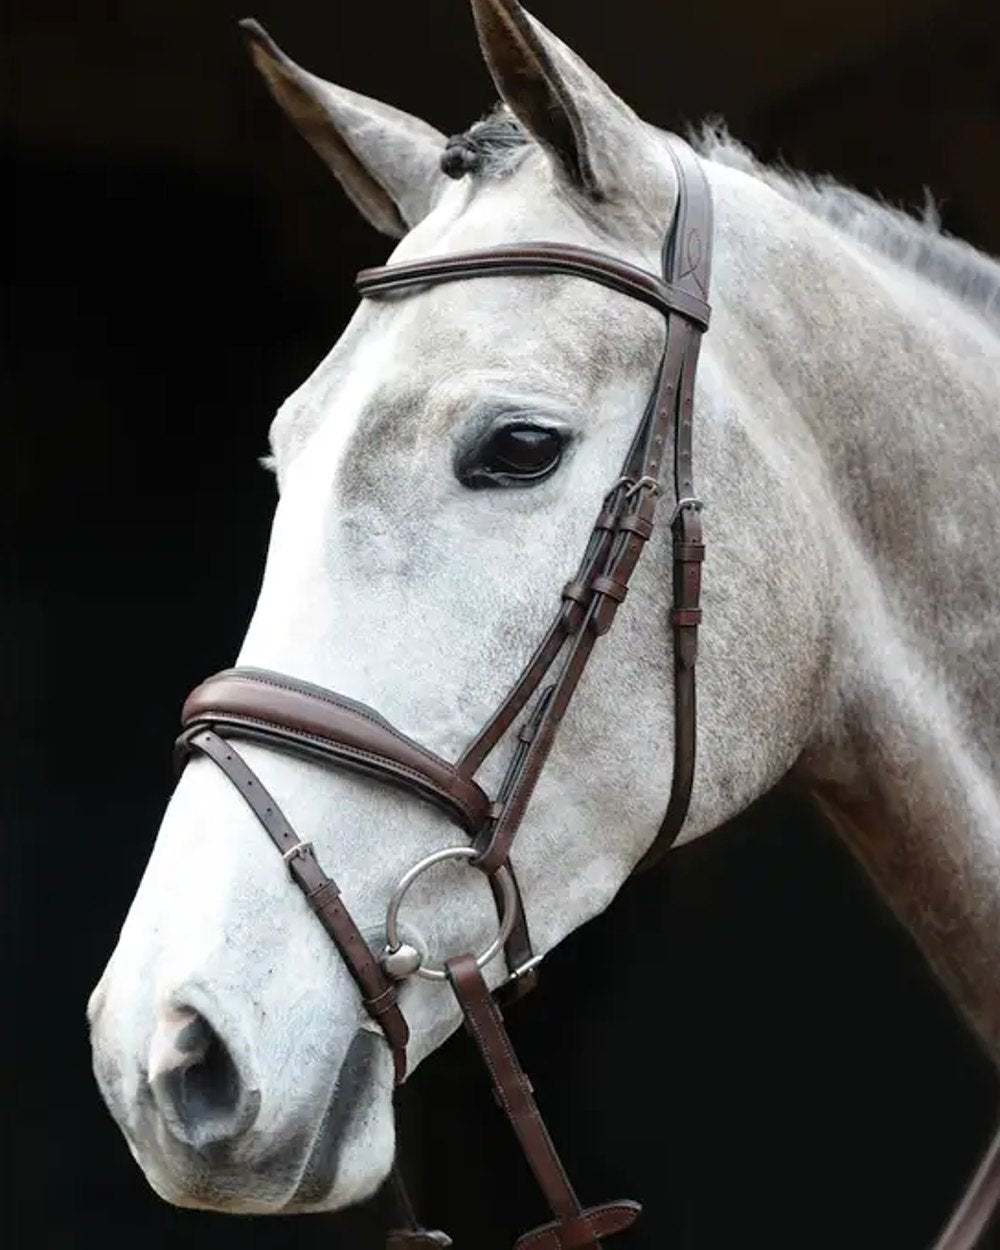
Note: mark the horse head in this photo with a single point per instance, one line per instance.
(438, 476)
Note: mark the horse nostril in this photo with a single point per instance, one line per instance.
(211, 1085)
(196, 1083)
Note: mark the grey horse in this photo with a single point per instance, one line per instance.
(849, 455)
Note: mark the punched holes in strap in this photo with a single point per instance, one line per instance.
(687, 614)
(689, 553)
(321, 891)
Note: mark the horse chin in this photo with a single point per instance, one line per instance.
(352, 1149)
(337, 1158)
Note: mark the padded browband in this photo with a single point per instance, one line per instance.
(544, 258)
(307, 720)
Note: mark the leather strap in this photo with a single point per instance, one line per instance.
(322, 893)
(255, 703)
(573, 1227)
(687, 257)
(667, 422)
(519, 259)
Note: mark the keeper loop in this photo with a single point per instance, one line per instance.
(608, 586)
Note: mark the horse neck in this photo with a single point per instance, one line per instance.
(889, 386)
(897, 775)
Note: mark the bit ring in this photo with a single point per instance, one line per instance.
(508, 909)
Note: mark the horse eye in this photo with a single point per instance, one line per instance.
(516, 454)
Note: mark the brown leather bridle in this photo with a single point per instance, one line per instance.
(293, 716)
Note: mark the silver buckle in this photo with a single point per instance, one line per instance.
(688, 501)
(522, 970)
(652, 484)
(615, 486)
(295, 851)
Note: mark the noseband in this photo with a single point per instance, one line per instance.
(292, 716)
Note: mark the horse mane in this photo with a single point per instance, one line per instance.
(916, 243)
(494, 147)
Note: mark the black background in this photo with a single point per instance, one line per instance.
(177, 262)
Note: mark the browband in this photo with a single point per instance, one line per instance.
(512, 260)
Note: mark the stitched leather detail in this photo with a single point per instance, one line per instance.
(292, 712)
(603, 1221)
(548, 258)
(689, 552)
(573, 1227)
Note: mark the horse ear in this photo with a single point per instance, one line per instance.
(555, 95)
(387, 161)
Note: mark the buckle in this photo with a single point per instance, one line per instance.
(688, 501)
(652, 484)
(302, 847)
(522, 970)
